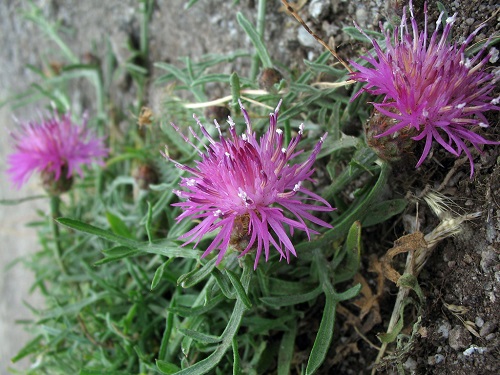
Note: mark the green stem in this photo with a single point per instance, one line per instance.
(261, 22)
(55, 203)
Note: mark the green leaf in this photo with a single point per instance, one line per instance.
(286, 351)
(389, 337)
(196, 311)
(167, 248)
(169, 325)
(235, 88)
(210, 78)
(149, 219)
(442, 9)
(31, 347)
(200, 337)
(349, 293)
(331, 145)
(90, 229)
(291, 300)
(206, 365)
(381, 211)
(118, 226)
(74, 308)
(408, 280)
(323, 68)
(357, 211)
(166, 368)
(240, 291)
(323, 337)
(88, 371)
(326, 327)
(351, 255)
(159, 273)
(116, 253)
(223, 283)
(236, 358)
(357, 35)
(197, 275)
(175, 71)
(478, 46)
(256, 40)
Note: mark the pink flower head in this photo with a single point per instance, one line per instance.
(243, 186)
(54, 145)
(431, 87)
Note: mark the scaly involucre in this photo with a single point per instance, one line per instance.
(243, 187)
(54, 145)
(431, 87)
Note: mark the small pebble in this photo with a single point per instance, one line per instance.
(410, 364)
(361, 16)
(459, 338)
(435, 359)
(468, 259)
(318, 9)
(306, 39)
(479, 322)
(444, 329)
(490, 337)
(488, 259)
(487, 328)
(469, 21)
(474, 349)
(494, 55)
(439, 358)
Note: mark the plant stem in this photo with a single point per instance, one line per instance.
(261, 22)
(55, 202)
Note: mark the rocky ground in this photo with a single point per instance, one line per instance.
(461, 281)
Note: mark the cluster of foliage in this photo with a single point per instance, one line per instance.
(123, 296)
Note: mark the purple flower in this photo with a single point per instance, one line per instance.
(56, 146)
(430, 87)
(243, 187)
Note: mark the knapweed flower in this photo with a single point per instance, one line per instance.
(243, 188)
(430, 87)
(55, 147)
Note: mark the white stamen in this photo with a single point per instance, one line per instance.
(451, 19)
(218, 213)
(242, 194)
(279, 131)
(438, 22)
(283, 150)
(483, 125)
(301, 129)
(191, 182)
(495, 101)
(244, 137)
(244, 197)
(227, 154)
(461, 105)
(297, 186)
(425, 113)
(468, 63)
